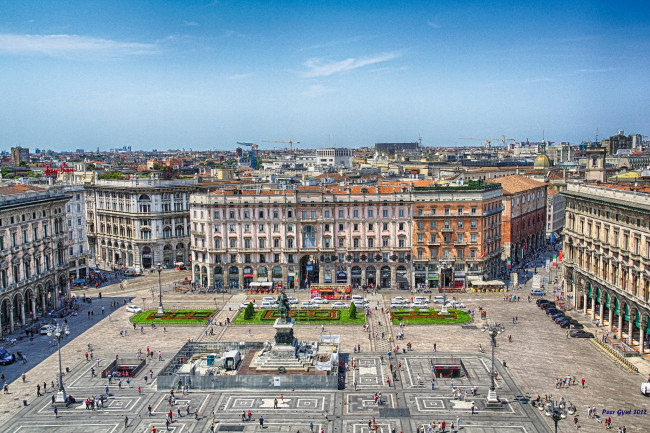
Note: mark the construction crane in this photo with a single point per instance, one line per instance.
(291, 143)
(253, 158)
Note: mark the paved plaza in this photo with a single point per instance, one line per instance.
(537, 355)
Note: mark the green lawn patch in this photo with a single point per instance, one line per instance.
(302, 317)
(178, 317)
(429, 317)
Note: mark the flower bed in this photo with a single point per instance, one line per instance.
(303, 314)
(302, 317)
(178, 317)
(429, 316)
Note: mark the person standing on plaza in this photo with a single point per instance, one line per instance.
(261, 422)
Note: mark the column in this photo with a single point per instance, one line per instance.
(210, 275)
(602, 310)
(321, 275)
(641, 335)
(611, 315)
(11, 317)
(349, 270)
(22, 312)
(630, 329)
(363, 276)
(593, 304)
(33, 307)
(584, 302)
(620, 323)
(393, 277)
(241, 276)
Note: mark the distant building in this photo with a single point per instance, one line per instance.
(337, 157)
(555, 203)
(617, 142)
(392, 148)
(20, 154)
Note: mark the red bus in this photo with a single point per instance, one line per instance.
(331, 291)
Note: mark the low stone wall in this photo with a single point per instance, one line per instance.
(267, 382)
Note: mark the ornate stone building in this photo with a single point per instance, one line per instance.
(139, 222)
(607, 256)
(322, 234)
(33, 253)
(456, 233)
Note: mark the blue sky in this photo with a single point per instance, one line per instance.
(205, 74)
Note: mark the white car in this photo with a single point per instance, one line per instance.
(319, 300)
(307, 304)
(133, 309)
(47, 328)
(416, 304)
(360, 304)
(439, 299)
(339, 305)
(244, 305)
(455, 304)
(399, 300)
(421, 299)
(292, 301)
(359, 299)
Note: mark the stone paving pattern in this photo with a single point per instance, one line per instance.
(538, 354)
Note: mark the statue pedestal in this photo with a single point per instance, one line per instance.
(284, 339)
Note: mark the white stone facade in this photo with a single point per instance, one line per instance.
(139, 222)
(33, 253)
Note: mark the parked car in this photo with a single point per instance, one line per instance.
(556, 315)
(559, 319)
(537, 292)
(359, 298)
(269, 304)
(455, 304)
(418, 304)
(573, 324)
(244, 305)
(6, 358)
(360, 303)
(399, 299)
(552, 310)
(133, 309)
(307, 304)
(339, 305)
(132, 272)
(439, 300)
(540, 301)
(580, 333)
(47, 328)
(292, 301)
(319, 300)
(421, 299)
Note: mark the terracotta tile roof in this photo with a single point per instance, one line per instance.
(516, 183)
(19, 189)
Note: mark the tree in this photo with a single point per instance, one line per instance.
(249, 311)
(353, 311)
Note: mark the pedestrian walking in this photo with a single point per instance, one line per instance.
(56, 412)
(126, 421)
(261, 421)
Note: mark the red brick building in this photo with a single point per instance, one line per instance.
(524, 216)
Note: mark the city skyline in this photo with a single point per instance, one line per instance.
(204, 75)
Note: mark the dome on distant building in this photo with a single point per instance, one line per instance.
(542, 161)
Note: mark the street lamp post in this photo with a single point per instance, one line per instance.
(493, 329)
(161, 311)
(557, 411)
(59, 332)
